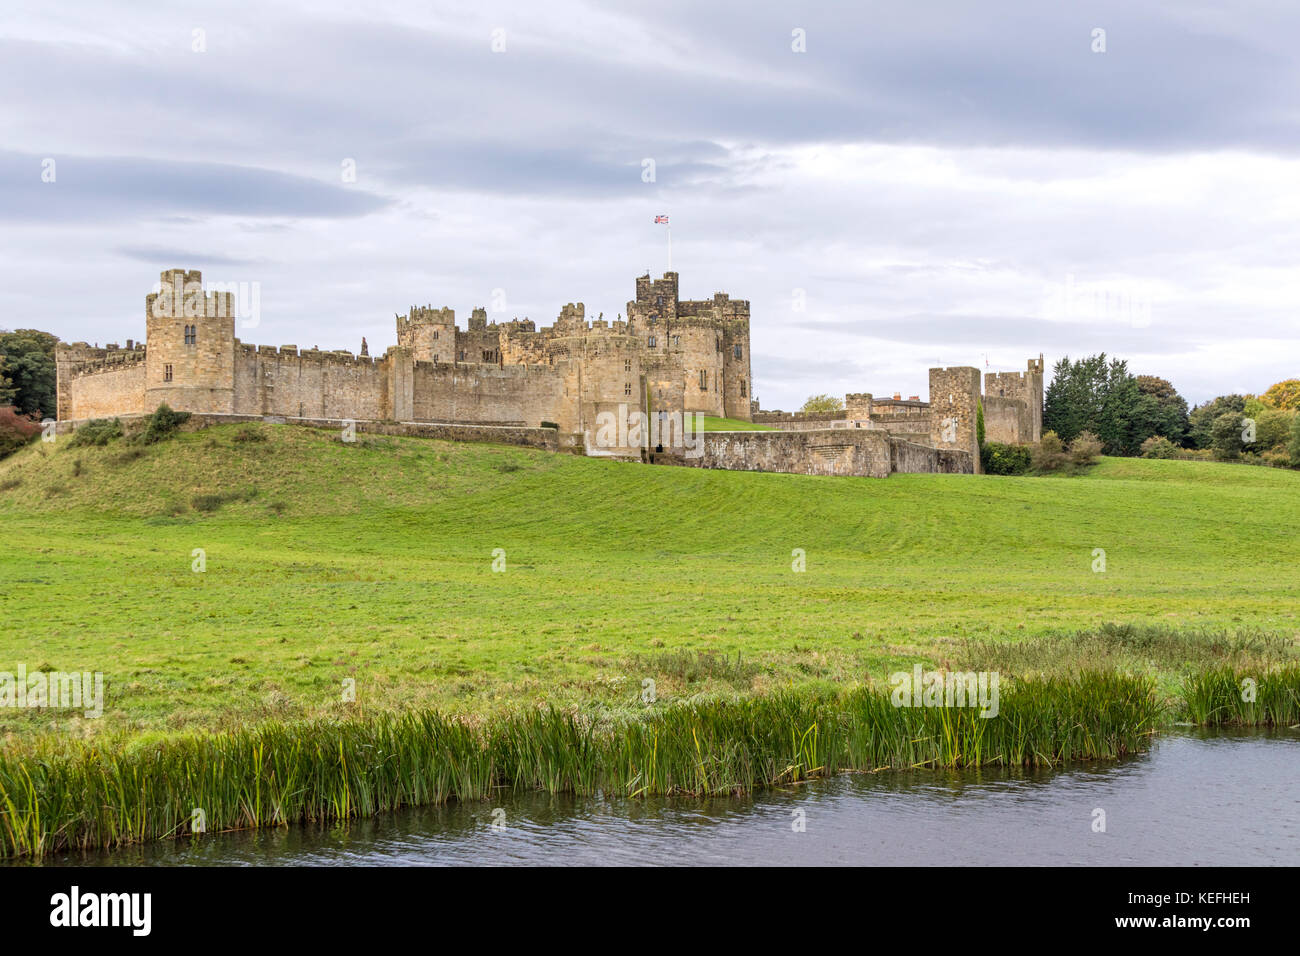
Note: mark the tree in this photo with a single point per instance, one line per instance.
(27, 363)
(1170, 408)
(1201, 419)
(1101, 396)
(1284, 395)
(1073, 399)
(1225, 435)
(818, 404)
(1294, 447)
(979, 424)
(1272, 428)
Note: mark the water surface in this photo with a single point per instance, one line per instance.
(1197, 798)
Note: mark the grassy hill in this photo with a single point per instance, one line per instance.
(373, 561)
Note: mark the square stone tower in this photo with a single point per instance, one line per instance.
(954, 406)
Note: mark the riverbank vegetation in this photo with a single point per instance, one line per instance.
(59, 794)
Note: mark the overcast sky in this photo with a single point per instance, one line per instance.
(927, 183)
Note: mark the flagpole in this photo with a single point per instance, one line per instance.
(670, 247)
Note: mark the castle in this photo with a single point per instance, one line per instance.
(669, 358)
(669, 355)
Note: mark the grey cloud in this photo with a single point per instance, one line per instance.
(102, 188)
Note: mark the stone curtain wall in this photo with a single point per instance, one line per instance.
(908, 457)
(309, 384)
(862, 452)
(104, 392)
(516, 394)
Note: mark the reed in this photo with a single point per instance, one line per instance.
(1251, 697)
(59, 795)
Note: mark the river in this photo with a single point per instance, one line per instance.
(1196, 798)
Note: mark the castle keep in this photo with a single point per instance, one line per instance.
(670, 355)
(600, 386)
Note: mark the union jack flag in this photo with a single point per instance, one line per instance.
(663, 219)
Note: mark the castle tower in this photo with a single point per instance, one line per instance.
(428, 333)
(954, 406)
(190, 338)
(737, 371)
(1025, 387)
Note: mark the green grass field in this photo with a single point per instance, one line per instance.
(374, 561)
(712, 424)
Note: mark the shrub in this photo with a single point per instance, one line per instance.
(1049, 454)
(16, 430)
(162, 424)
(97, 431)
(207, 502)
(247, 433)
(999, 459)
(1157, 446)
(1294, 447)
(1084, 449)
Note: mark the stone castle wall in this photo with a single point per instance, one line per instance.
(308, 384)
(102, 392)
(841, 451)
(861, 452)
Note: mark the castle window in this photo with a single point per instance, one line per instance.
(191, 334)
(627, 365)
(461, 353)
(435, 335)
(167, 373)
(737, 351)
(627, 388)
(677, 340)
(654, 319)
(652, 341)
(742, 388)
(704, 381)
(659, 300)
